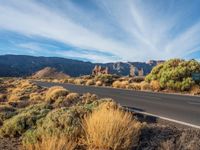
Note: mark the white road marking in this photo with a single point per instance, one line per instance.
(194, 103)
(165, 118)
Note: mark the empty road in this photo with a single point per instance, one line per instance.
(177, 107)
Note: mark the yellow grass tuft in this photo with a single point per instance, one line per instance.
(52, 143)
(3, 97)
(134, 86)
(120, 84)
(55, 92)
(90, 82)
(195, 90)
(155, 85)
(36, 97)
(111, 128)
(145, 85)
(98, 83)
(78, 81)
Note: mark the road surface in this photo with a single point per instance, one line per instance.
(184, 109)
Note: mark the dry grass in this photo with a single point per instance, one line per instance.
(145, 85)
(55, 92)
(36, 97)
(155, 85)
(90, 82)
(116, 84)
(98, 83)
(120, 84)
(111, 128)
(70, 80)
(52, 143)
(188, 140)
(78, 81)
(195, 90)
(71, 98)
(134, 86)
(3, 97)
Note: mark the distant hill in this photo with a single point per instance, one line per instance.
(49, 72)
(22, 65)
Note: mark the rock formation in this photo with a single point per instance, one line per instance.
(98, 70)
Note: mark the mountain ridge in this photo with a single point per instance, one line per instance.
(25, 65)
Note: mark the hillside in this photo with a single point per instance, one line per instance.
(49, 73)
(22, 65)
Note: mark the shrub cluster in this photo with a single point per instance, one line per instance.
(175, 74)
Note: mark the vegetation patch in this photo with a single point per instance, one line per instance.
(175, 74)
(109, 127)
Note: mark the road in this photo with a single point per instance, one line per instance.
(180, 108)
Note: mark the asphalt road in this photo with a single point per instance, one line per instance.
(177, 107)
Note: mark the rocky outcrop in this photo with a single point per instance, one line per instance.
(134, 71)
(98, 70)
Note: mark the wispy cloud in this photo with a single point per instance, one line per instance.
(129, 30)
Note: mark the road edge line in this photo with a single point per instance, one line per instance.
(165, 118)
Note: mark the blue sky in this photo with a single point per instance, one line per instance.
(101, 30)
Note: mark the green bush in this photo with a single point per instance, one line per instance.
(24, 120)
(62, 121)
(175, 74)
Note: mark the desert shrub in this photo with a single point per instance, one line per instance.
(70, 80)
(55, 92)
(108, 104)
(138, 79)
(111, 129)
(116, 84)
(19, 104)
(175, 74)
(65, 80)
(52, 143)
(87, 98)
(1, 80)
(134, 86)
(106, 79)
(36, 97)
(120, 84)
(79, 81)
(98, 83)
(188, 140)
(17, 94)
(24, 120)
(72, 97)
(6, 112)
(124, 84)
(155, 85)
(3, 97)
(55, 81)
(69, 100)
(90, 82)
(61, 121)
(145, 85)
(21, 90)
(195, 90)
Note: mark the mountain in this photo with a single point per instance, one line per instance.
(22, 65)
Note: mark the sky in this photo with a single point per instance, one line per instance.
(101, 30)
